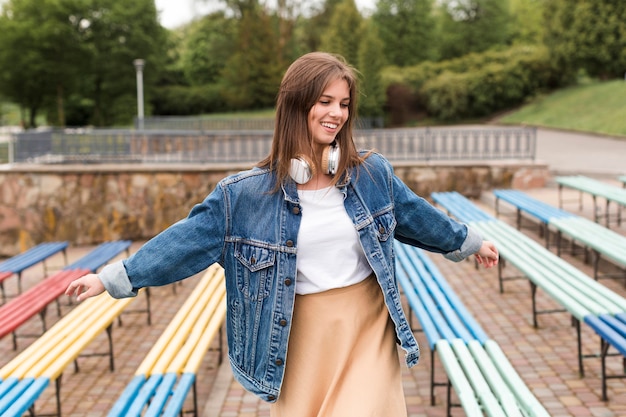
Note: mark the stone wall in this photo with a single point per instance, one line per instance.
(90, 204)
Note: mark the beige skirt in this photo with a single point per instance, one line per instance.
(342, 358)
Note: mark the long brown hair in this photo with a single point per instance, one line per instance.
(302, 85)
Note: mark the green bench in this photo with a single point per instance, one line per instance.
(483, 378)
(597, 189)
(595, 238)
(575, 292)
(622, 179)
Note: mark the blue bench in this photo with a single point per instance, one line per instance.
(530, 206)
(168, 372)
(596, 188)
(480, 373)
(602, 242)
(574, 291)
(18, 263)
(35, 300)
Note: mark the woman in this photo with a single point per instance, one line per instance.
(306, 240)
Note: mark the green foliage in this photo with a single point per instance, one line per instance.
(183, 100)
(252, 73)
(407, 29)
(526, 26)
(588, 35)
(477, 84)
(343, 35)
(370, 63)
(472, 26)
(54, 49)
(40, 53)
(206, 47)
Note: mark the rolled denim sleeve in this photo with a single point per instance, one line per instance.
(471, 245)
(116, 281)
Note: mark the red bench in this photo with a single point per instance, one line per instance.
(35, 300)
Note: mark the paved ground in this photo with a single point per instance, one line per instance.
(544, 357)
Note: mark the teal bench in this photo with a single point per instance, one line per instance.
(19, 263)
(610, 193)
(483, 378)
(622, 179)
(35, 300)
(601, 241)
(574, 291)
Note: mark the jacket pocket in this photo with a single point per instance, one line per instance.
(384, 225)
(254, 273)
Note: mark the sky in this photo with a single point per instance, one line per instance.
(174, 13)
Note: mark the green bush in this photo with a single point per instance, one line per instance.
(476, 85)
(185, 100)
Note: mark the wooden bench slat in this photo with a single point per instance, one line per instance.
(18, 400)
(180, 393)
(477, 381)
(165, 376)
(458, 379)
(32, 256)
(583, 297)
(578, 292)
(451, 297)
(524, 396)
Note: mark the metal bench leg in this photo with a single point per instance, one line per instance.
(604, 348)
(581, 368)
(449, 400)
(533, 294)
(220, 334)
(432, 379)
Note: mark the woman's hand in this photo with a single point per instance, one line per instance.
(487, 254)
(84, 287)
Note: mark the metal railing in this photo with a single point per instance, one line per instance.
(200, 124)
(249, 146)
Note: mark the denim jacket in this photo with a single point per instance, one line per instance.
(252, 232)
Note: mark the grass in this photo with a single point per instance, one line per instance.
(594, 106)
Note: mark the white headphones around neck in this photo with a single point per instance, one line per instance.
(302, 169)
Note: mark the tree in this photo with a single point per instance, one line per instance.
(253, 72)
(117, 33)
(309, 31)
(472, 26)
(371, 61)
(343, 35)
(206, 47)
(40, 54)
(588, 35)
(407, 29)
(526, 25)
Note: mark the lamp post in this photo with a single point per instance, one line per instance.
(139, 64)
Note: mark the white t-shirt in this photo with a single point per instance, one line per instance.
(329, 251)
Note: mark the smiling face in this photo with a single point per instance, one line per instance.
(329, 113)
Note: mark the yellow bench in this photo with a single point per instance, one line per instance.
(24, 378)
(167, 374)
